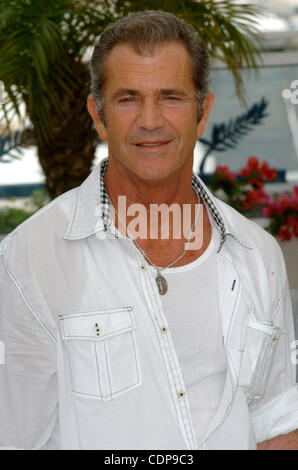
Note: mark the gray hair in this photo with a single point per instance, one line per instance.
(145, 31)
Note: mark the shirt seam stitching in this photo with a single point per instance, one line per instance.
(26, 302)
(284, 282)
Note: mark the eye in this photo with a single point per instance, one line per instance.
(126, 100)
(172, 98)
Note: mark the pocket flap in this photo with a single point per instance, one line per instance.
(260, 344)
(97, 325)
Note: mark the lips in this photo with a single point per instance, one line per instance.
(152, 144)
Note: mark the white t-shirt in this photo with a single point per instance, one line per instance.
(191, 308)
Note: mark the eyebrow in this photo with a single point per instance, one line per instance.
(172, 91)
(131, 92)
(124, 91)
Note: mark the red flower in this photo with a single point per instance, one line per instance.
(258, 173)
(285, 201)
(292, 221)
(245, 172)
(284, 233)
(274, 208)
(253, 197)
(225, 173)
(253, 163)
(268, 174)
(256, 183)
(247, 192)
(271, 174)
(267, 211)
(251, 168)
(264, 167)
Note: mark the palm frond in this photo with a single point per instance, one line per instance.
(228, 135)
(227, 27)
(41, 41)
(11, 146)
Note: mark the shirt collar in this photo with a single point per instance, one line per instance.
(91, 212)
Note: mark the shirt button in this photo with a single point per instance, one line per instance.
(143, 267)
(97, 329)
(181, 394)
(163, 329)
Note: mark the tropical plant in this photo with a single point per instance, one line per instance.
(44, 48)
(282, 211)
(227, 135)
(10, 147)
(244, 190)
(12, 144)
(227, 27)
(12, 215)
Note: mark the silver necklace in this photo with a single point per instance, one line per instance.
(159, 279)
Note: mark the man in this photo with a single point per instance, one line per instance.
(117, 341)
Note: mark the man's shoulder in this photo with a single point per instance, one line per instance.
(260, 262)
(39, 229)
(249, 232)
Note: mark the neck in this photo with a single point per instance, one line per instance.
(163, 239)
(176, 188)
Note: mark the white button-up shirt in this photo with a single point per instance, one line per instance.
(87, 357)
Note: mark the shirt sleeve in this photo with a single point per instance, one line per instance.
(28, 382)
(277, 412)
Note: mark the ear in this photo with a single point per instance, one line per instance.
(96, 117)
(206, 109)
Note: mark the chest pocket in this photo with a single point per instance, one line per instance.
(260, 345)
(102, 353)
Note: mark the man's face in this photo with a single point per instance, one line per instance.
(150, 111)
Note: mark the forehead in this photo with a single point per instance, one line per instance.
(169, 66)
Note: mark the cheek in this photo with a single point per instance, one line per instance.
(183, 120)
(186, 129)
(119, 124)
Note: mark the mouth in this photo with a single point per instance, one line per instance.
(152, 145)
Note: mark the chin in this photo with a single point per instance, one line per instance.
(154, 170)
(153, 175)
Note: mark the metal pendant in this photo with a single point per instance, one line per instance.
(161, 284)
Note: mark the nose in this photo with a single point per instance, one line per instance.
(149, 115)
